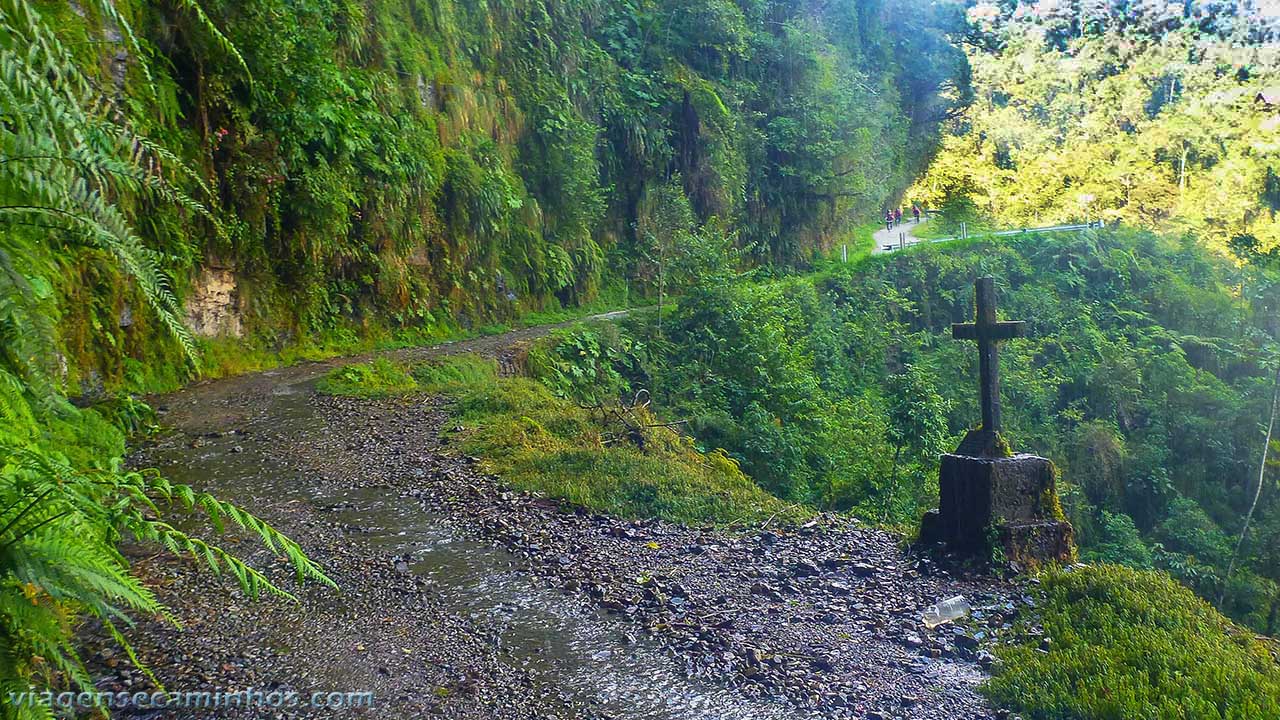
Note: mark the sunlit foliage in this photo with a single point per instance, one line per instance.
(1145, 113)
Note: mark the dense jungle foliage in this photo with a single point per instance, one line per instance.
(1142, 378)
(414, 166)
(283, 173)
(1160, 115)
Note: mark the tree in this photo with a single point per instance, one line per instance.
(1142, 119)
(664, 227)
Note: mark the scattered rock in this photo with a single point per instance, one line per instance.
(804, 568)
(817, 615)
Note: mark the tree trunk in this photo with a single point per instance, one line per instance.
(1262, 475)
(1182, 171)
(662, 262)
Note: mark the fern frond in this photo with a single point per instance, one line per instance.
(68, 166)
(15, 412)
(26, 332)
(192, 7)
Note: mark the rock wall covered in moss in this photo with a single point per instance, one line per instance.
(407, 163)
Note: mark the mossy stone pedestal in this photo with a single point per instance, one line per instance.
(992, 501)
(989, 505)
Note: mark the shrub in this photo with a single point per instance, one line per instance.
(589, 364)
(1119, 542)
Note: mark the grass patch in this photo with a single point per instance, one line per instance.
(377, 378)
(455, 373)
(934, 230)
(1135, 644)
(860, 241)
(540, 443)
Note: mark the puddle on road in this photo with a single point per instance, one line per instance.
(566, 645)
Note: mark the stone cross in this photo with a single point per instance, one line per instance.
(984, 487)
(988, 331)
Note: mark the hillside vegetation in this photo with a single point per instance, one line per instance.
(406, 168)
(1142, 379)
(1134, 112)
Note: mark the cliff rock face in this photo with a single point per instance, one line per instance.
(213, 304)
(393, 163)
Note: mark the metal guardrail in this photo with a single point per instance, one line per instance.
(964, 234)
(1052, 228)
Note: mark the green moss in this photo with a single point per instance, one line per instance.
(1133, 644)
(1002, 447)
(541, 443)
(374, 379)
(1051, 505)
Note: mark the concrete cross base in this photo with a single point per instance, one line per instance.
(980, 443)
(1033, 544)
(1011, 502)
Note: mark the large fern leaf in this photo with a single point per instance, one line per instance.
(69, 165)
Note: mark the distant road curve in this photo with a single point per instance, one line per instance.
(903, 235)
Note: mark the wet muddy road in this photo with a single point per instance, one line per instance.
(462, 599)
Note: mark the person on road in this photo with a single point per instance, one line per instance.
(915, 210)
(888, 220)
(897, 216)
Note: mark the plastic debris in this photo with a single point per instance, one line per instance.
(946, 611)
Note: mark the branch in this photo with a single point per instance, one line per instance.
(1262, 474)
